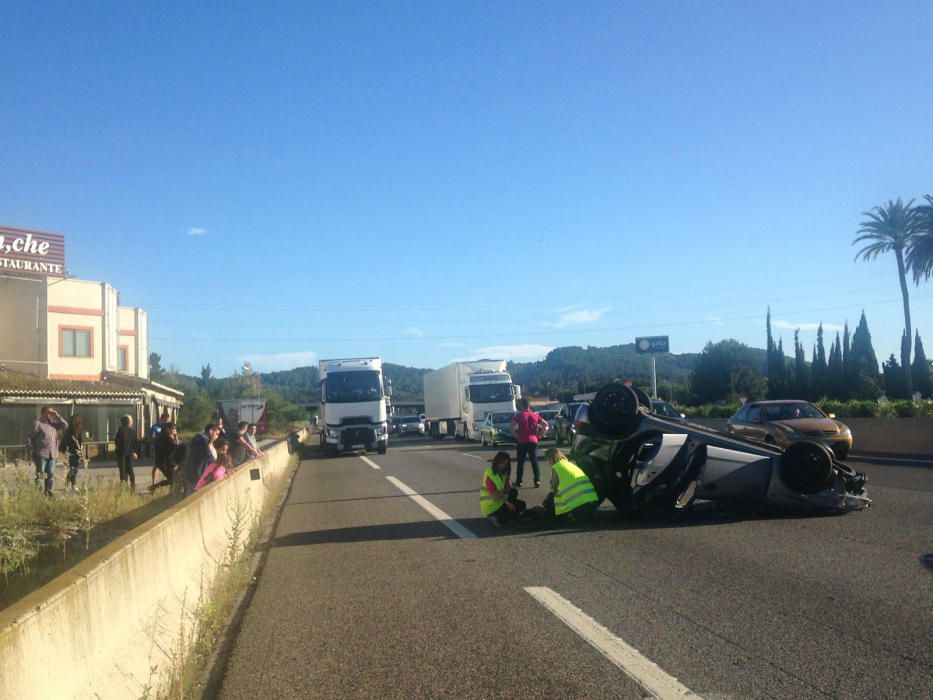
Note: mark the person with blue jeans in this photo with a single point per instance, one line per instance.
(42, 441)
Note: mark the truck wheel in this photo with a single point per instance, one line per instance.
(381, 449)
(330, 450)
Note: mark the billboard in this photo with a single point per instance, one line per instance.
(31, 253)
(652, 343)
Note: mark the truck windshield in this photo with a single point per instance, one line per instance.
(490, 393)
(347, 387)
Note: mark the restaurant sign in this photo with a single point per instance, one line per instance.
(31, 253)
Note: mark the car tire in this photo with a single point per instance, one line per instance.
(615, 411)
(841, 452)
(557, 440)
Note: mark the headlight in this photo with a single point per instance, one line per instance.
(331, 433)
(844, 431)
(381, 429)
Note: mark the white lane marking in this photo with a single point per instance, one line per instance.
(369, 462)
(451, 524)
(469, 455)
(639, 668)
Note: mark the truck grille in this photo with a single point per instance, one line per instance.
(356, 420)
(358, 436)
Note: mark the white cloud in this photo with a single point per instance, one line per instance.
(412, 330)
(448, 344)
(575, 314)
(282, 360)
(789, 326)
(715, 320)
(524, 352)
(194, 231)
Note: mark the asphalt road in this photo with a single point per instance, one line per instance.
(365, 594)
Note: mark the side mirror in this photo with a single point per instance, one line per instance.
(388, 387)
(831, 415)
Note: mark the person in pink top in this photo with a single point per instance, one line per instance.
(525, 426)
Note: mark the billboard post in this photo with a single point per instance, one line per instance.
(653, 344)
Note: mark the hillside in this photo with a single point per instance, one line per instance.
(563, 372)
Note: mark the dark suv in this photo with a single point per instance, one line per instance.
(563, 422)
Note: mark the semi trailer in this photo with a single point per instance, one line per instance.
(457, 397)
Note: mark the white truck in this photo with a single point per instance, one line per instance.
(458, 397)
(354, 405)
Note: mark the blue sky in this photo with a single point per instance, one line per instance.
(283, 182)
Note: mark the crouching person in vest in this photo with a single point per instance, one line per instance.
(573, 500)
(497, 499)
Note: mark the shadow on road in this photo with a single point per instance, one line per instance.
(375, 498)
(425, 529)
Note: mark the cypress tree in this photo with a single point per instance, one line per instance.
(835, 373)
(920, 369)
(818, 369)
(802, 374)
(864, 363)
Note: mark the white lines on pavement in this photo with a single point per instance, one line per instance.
(451, 524)
(370, 462)
(639, 668)
(467, 454)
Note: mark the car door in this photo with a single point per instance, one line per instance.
(754, 424)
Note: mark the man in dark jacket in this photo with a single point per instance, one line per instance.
(198, 455)
(127, 448)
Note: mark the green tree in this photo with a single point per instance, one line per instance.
(893, 378)
(801, 371)
(777, 365)
(205, 374)
(920, 370)
(920, 255)
(835, 371)
(818, 366)
(891, 228)
(727, 370)
(156, 372)
(864, 364)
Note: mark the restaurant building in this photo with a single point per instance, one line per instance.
(68, 342)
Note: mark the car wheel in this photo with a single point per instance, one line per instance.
(841, 452)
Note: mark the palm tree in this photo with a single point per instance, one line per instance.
(920, 254)
(891, 228)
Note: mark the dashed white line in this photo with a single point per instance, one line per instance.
(451, 524)
(370, 462)
(638, 667)
(466, 454)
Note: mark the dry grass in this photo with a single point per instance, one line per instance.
(34, 527)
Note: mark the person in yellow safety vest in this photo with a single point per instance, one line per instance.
(497, 499)
(573, 499)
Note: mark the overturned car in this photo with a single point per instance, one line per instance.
(640, 461)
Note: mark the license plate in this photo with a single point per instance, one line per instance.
(357, 447)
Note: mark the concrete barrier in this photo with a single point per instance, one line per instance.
(891, 436)
(108, 628)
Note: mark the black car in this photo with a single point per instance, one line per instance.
(563, 422)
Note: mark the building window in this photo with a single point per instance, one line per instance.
(76, 342)
(121, 358)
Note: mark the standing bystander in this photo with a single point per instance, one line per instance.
(73, 446)
(127, 449)
(525, 426)
(241, 449)
(154, 431)
(42, 441)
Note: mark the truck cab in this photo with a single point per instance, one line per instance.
(354, 405)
